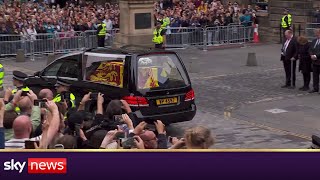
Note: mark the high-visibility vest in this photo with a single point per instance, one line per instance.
(284, 23)
(17, 109)
(157, 37)
(103, 31)
(165, 22)
(1, 76)
(23, 89)
(72, 99)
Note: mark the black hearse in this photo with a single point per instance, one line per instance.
(155, 83)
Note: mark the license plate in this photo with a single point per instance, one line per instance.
(165, 101)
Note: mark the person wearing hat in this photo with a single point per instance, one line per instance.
(18, 81)
(286, 21)
(63, 93)
(158, 35)
(101, 33)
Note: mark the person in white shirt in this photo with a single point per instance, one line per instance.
(108, 22)
(289, 57)
(22, 128)
(31, 31)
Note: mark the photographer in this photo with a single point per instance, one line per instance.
(25, 104)
(111, 118)
(194, 138)
(44, 112)
(149, 139)
(75, 125)
(50, 127)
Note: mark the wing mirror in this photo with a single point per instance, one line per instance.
(37, 73)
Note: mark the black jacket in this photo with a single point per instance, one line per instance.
(304, 58)
(291, 50)
(315, 50)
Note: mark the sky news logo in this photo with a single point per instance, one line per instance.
(38, 165)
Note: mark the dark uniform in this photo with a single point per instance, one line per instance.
(68, 96)
(20, 76)
(158, 36)
(315, 50)
(101, 33)
(286, 23)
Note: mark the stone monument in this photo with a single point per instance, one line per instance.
(136, 23)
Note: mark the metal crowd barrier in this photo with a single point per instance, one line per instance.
(210, 36)
(309, 32)
(64, 42)
(60, 42)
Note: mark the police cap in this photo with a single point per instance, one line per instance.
(20, 76)
(62, 82)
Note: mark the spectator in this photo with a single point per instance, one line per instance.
(108, 22)
(175, 23)
(194, 138)
(31, 31)
(228, 19)
(197, 3)
(68, 142)
(22, 129)
(316, 14)
(46, 94)
(149, 138)
(9, 117)
(235, 18)
(203, 7)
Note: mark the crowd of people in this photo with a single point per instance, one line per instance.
(200, 13)
(31, 18)
(29, 121)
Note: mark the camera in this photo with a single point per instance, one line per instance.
(77, 128)
(24, 93)
(119, 135)
(118, 118)
(40, 102)
(30, 144)
(94, 96)
(128, 143)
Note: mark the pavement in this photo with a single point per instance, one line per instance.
(262, 115)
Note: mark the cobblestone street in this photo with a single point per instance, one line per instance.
(222, 81)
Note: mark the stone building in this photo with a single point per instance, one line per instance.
(301, 11)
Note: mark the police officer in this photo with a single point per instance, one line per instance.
(101, 33)
(1, 76)
(164, 20)
(286, 22)
(158, 36)
(18, 81)
(64, 94)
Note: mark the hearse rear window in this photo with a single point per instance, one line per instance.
(160, 71)
(105, 69)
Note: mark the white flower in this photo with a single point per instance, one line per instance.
(145, 61)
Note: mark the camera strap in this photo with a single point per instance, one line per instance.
(94, 128)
